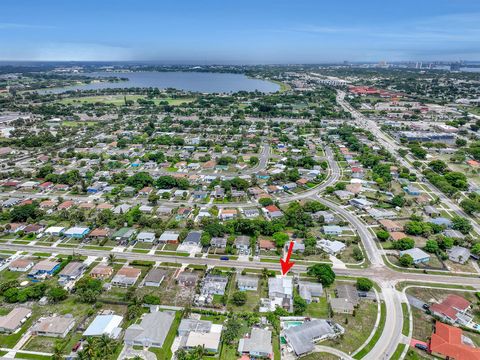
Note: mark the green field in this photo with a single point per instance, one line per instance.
(119, 100)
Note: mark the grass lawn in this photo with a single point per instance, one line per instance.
(228, 352)
(358, 328)
(320, 356)
(406, 319)
(253, 300)
(318, 309)
(276, 347)
(377, 335)
(40, 343)
(398, 352)
(20, 355)
(216, 319)
(7, 275)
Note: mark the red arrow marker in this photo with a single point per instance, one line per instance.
(286, 264)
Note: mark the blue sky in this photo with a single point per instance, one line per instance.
(261, 31)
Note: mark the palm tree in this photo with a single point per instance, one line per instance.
(57, 352)
(89, 348)
(111, 259)
(106, 345)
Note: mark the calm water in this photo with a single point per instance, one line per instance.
(189, 81)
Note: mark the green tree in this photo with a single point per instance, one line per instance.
(57, 294)
(382, 235)
(461, 224)
(299, 305)
(364, 284)
(431, 246)
(406, 260)
(323, 273)
(280, 239)
(239, 298)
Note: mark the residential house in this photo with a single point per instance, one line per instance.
(418, 255)
(151, 331)
(169, 237)
(101, 271)
(331, 247)
(258, 344)
(458, 254)
(188, 279)
(390, 225)
(126, 276)
(341, 306)
(53, 326)
(227, 214)
(21, 265)
(310, 291)
(72, 271)
(77, 232)
(453, 309)
(343, 195)
(99, 234)
(332, 230)
(265, 244)
(12, 321)
(273, 212)
(245, 283)
(349, 292)
(448, 342)
(44, 269)
(146, 237)
(105, 324)
(242, 243)
(214, 285)
(361, 203)
(302, 338)
(196, 334)
(155, 277)
(55, 230)
(124, 235)
(218, 242)
(447, 223)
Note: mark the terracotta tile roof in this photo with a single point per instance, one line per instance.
(447, 341)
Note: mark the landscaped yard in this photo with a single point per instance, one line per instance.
(320, 309)
(357, 328)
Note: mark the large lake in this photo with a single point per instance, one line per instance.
(189, 81)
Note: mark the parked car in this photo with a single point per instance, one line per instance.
(421, 347)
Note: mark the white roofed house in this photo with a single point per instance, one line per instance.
(145, 236)
(258, 344)
(331, 247)
(105, 324)
(55, 230)
(203, 333)
(280, 292)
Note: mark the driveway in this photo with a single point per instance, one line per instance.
(415, 302)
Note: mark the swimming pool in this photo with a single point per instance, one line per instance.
(290, 324)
